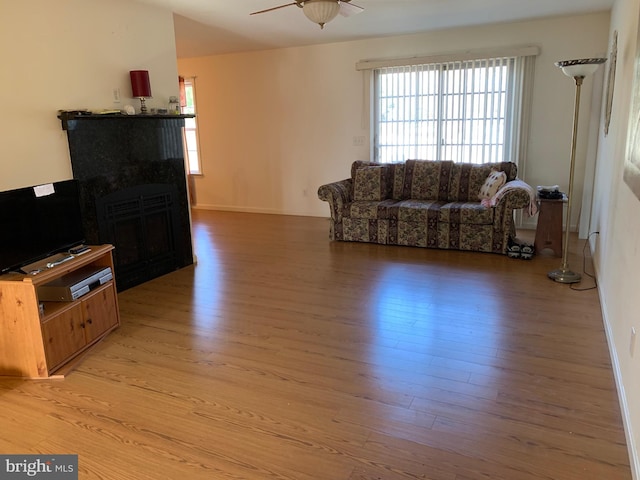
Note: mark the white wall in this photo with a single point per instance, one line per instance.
(71, 54)
(616, 214)
(277, 124)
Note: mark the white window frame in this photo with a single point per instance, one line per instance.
(190, 132)
(516, 85)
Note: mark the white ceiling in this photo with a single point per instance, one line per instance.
(211, 27)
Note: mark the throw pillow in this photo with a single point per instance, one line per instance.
(492, 184)
(370, 184)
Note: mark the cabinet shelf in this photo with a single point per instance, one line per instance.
(51, 309)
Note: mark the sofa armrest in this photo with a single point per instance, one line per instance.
(515, 195)
(338, 194)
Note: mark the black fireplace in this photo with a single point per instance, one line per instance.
(133, 191)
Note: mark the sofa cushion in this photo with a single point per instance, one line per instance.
(369, 210)
(415, 211)
(492, 184)
(467, 179)
(397, 179)
(362, 164)
(395, 175)
(426, 180)
(371, 183)
(472, 213)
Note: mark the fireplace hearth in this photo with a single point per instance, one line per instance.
(133, 190)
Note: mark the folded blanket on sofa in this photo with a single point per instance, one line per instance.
(514, 185)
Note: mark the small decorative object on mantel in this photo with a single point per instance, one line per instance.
(65, 115)
(106, 111)
(73, 113)
(174, 106)
(129, 110)
(141, 87)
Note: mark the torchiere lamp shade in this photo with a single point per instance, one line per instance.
(140, 85)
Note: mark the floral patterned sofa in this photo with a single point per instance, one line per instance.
(425, 203)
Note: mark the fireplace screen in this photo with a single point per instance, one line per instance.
(142, 223)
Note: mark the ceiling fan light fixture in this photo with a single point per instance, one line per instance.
(321, 11)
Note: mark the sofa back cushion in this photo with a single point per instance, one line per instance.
(371, 184)
(426, 180)
(394, 176)
(361, 164)
(467, 179)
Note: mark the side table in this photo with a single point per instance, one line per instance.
(549, 228)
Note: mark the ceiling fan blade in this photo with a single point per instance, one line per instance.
(347, 8)
(274, 8)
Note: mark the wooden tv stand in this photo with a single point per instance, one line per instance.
(42, 344)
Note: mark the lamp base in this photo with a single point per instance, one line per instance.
(564, 275)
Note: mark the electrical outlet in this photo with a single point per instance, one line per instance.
(632, 343)
(358, 141)
(116, 95)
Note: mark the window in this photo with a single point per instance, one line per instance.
(188, 103)
(467, 110)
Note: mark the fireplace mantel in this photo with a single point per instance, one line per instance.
(70, 119)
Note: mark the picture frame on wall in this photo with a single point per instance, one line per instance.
(632, 158)
(611, 82)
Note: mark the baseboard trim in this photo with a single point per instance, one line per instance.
(267, 211)
(634, 459)
(235, 209)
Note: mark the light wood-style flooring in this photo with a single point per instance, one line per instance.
(283, 355)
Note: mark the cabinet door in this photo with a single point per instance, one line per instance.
(99, 312)
(63, 336)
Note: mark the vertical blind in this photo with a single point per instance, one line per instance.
(465, 111)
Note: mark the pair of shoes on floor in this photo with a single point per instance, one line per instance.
(513, 249)
(519, 250)
(526, 251)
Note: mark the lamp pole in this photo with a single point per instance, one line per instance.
(564, 274)
(578, 70)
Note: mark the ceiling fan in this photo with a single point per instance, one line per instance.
(321, 11)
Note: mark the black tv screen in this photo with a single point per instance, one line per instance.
(38, 221)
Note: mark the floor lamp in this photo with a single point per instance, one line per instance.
(578, 70)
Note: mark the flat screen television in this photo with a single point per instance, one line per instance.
(38, 221)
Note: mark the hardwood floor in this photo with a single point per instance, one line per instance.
(283, 355)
